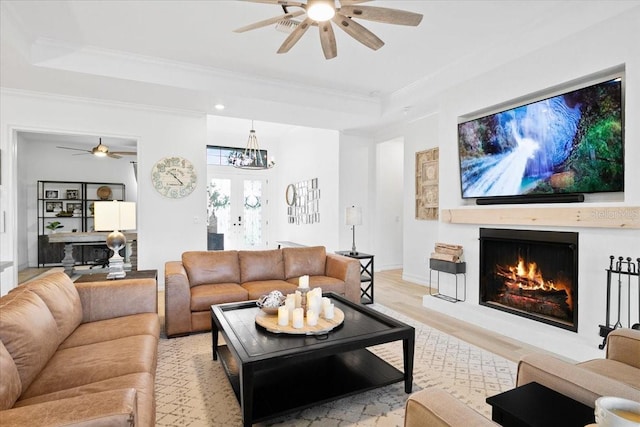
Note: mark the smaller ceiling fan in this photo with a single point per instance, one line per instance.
(321, 13)
(101, 150)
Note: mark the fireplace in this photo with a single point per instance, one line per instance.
(533, 274)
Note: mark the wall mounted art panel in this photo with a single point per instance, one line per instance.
(427, 173)
(303, 202)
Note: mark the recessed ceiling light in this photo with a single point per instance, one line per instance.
(219, 107)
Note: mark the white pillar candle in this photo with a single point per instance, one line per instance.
(283, 316)
(312, 317)
(328, 311)
(314, 305)
(303, 282)
(298, 299)
(290, 304)
(298, 318)
(325, 302)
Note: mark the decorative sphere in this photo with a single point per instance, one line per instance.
(116, 241)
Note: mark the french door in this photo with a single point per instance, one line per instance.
(236, 210)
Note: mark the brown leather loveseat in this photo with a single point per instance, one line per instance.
(205, 278)
(81, 355)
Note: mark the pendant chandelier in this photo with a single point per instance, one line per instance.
(251, 157)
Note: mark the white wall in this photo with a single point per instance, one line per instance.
(357, 188)
(419, 235)
(166, 227)
(304, 154)
(600, 48)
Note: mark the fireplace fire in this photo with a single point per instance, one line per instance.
(531, 274)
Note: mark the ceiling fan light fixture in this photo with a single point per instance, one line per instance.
(100, 150)
(321, 10)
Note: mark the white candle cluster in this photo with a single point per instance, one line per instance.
(317, 305)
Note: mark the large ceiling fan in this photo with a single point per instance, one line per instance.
(321, 13)
(102, 150)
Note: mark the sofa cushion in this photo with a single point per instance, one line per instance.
(142, 382)
(328, 284)
(204, 267)
(79, 366)
(309, 261)
(616, 370)
(108, 408)
(10, 386)
(112, 329)
(61, 296)
(204, 296)
(29, 332)
(261, 265)
(262, 287)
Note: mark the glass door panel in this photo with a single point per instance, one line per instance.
(236, 212)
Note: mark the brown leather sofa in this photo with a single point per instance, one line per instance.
(616, 375)
(205, 278)
(81, 355)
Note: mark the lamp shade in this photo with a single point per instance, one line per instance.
(354, 216)
(114, 216)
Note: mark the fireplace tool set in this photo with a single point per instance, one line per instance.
(625, 269)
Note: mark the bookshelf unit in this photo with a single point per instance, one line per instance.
(70, 203)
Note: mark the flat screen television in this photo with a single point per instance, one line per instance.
(571, 143)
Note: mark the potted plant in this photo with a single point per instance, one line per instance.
(54, 225)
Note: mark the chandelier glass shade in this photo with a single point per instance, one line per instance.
(252, 157)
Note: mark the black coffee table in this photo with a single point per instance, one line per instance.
(275, 374)
(534, 405)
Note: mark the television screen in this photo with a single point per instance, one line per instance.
(569, 143)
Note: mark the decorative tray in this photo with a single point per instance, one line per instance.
(270, 323)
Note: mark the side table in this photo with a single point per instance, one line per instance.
(534, 405)
(366, 274)
(454, 268)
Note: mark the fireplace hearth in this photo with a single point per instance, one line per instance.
(533, 274)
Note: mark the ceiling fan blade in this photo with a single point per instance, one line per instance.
(328, 40)
(350, 2)
(357, 31)
(124, 153)
(277, 2)
(77, 149)
(295, 35)
(269, 21)
(382, 14)
(113, 156)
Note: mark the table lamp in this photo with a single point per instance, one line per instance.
(354, 217)
(115, 216)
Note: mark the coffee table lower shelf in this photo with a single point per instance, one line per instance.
(311, 382)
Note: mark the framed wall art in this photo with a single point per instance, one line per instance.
(427, 178)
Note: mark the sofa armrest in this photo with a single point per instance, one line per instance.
(623, 345)
(433, 407)
(117, 298)
(573, 381)
(348, 270)
(177, 299)
(107, 408)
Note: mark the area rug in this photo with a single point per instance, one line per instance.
(192, 389)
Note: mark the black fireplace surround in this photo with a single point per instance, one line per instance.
(530, 273)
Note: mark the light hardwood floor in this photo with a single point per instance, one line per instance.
(406, 297)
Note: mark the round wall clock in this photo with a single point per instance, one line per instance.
(174, 177)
